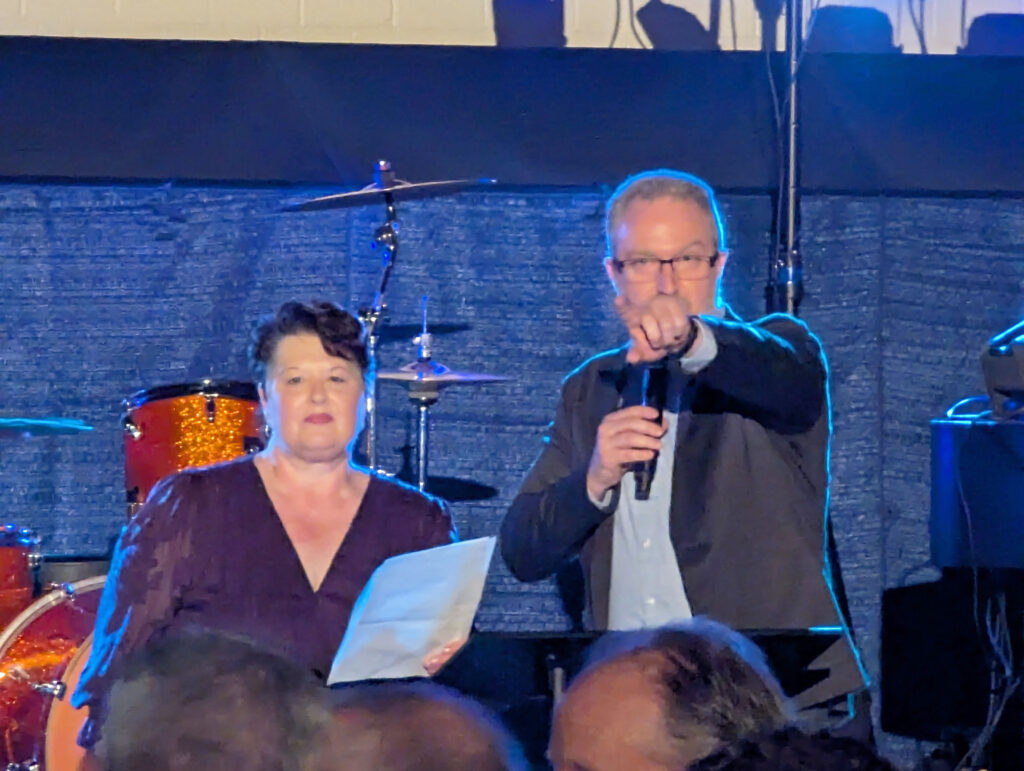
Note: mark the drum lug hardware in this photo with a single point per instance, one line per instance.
(68, 590)
(28, 537)
(33, 766)
(56, 689)
(130, 428)
(211, 409)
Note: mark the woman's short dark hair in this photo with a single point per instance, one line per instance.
(339, 331)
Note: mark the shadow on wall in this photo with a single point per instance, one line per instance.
(541, 24)
(670, 28)
(995, 34)
(529, 23)
(851, 30)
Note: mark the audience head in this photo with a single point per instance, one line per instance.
(201, 700)
(662, 699)
(418, 727)
(790, 749)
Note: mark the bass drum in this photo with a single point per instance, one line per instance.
(42, 654)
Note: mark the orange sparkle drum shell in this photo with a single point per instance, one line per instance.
(170, 428)
(36, 649)
(18, 556)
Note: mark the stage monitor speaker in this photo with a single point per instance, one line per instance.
(934, 675)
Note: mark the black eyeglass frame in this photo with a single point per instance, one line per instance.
(620, 265)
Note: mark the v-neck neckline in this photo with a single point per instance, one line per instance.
(283, 531)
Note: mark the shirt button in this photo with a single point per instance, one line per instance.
(650, 601)
(647, 543)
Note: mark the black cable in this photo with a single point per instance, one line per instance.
(1000, 644)
(918, 23)
(732, 23)
(618, 19)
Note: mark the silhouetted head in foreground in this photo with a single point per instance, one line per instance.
(792, 750)
(660, 700)
(202, 700)
(418, 727)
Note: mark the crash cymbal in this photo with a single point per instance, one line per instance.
(399, 191)
(15, 428)
(436, 375)
(391, 333)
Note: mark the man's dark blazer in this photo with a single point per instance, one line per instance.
(750, 487)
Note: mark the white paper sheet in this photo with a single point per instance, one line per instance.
(413, 605)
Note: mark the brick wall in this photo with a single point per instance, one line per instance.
(588, 23)
(113, 288)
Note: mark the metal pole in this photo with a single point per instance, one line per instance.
(371, 396)
(794, 44)
(386, 237)
(785, 280)
(423, 410)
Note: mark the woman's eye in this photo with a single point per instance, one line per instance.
(294, 380)
(337, 379)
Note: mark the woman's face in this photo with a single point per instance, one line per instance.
(312, 401)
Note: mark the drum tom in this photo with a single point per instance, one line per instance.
(19, 559)
(37, 651)
(170, 428)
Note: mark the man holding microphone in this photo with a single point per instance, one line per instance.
(733, 524)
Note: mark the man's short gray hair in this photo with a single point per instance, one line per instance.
(715, 684)
(662, 183)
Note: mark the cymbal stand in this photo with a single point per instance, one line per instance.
(386, 239)
(423, 395)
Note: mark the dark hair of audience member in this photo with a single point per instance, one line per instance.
(339, 331)
(418, 726)
(717, 685)
(203, 700)
(793, 750)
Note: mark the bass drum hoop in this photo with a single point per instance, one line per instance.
(63, 723)
(36, 610)
(44, 603)
(233, 389)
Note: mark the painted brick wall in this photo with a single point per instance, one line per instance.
(590, 23)
(111, 289)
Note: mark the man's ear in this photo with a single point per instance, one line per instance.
(611, 272)
(723, 257)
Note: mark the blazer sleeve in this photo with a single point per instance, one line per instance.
(772, 371)
(141, 593)
(552, 516)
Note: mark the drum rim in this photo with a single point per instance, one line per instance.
(236, 389)
(84, 649)
(49, 600)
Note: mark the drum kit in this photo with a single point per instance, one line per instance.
(45, 642)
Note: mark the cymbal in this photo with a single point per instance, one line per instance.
(14, 428)
(390, 333)
(430, 373)
(400, 191)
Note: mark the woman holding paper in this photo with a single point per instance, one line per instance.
(277, 546)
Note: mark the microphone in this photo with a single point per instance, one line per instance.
(653, 393)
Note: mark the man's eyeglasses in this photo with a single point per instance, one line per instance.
(688, 267)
